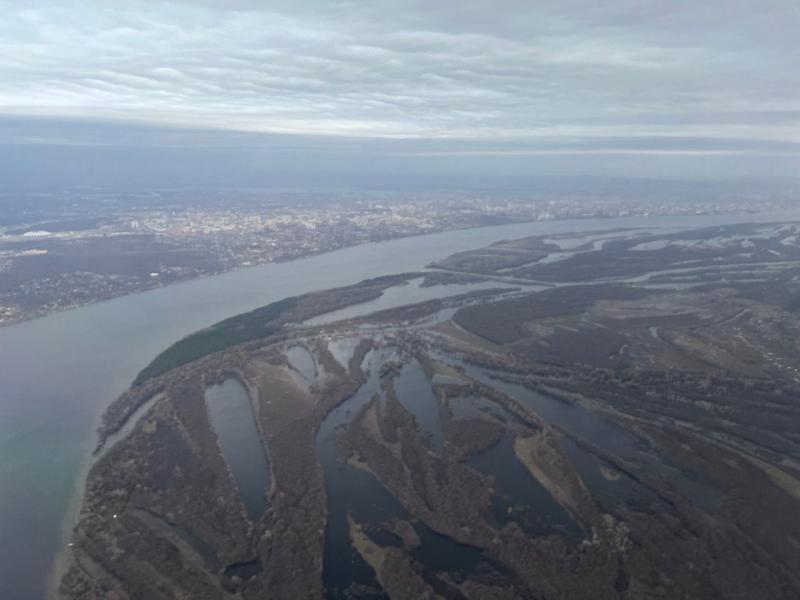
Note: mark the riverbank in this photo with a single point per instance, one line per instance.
(587, 476)
(151, 284)
(61, 371)
(158, 283)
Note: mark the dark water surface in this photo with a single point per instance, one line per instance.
(58, 373)
(415, 393)
(610, 437)
(349, 489)
(355, 491)
(519, 496)
(232, 419)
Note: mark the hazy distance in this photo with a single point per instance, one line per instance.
(234, 93)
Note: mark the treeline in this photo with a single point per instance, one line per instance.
(266, 321)
(255, 324)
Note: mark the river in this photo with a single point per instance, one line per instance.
(58, 373)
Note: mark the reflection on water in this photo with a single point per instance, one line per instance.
(232, 419)
(342, 349)
(602, 433)
(519, 496)
(357, 492)
(612, 488)
(401, 295)
(348, 490)
(61, 371)
(414, 392)
(302, 362)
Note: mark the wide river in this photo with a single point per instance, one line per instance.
(58, 373)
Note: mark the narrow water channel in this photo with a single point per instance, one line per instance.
(357, 492)
(611, 488)
(518, 496)
(606, 435)
(232, 419)
(401, 295)
(60, 372)
(348, 489)
(415, 393)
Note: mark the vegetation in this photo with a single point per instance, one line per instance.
(242, 328)
(503, 322)
(264, 321)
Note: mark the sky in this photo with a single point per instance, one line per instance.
(622, 87)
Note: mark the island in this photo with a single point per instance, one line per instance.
(605, 415)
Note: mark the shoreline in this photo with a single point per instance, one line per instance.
(46, 313)
(62, 556)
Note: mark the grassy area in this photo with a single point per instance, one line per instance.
(236, 330)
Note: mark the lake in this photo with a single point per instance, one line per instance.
(231, 416)
(58, 373)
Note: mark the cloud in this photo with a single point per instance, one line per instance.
(572, 75)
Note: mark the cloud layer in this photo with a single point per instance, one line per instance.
(516, 76)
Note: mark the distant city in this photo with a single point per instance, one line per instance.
(62, 250)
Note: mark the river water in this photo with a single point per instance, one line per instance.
(357, 492)
(58, 373)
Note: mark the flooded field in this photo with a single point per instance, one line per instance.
(603, 433)
(57, 380)
(353, 491)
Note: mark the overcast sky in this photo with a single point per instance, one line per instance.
(539, 83)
